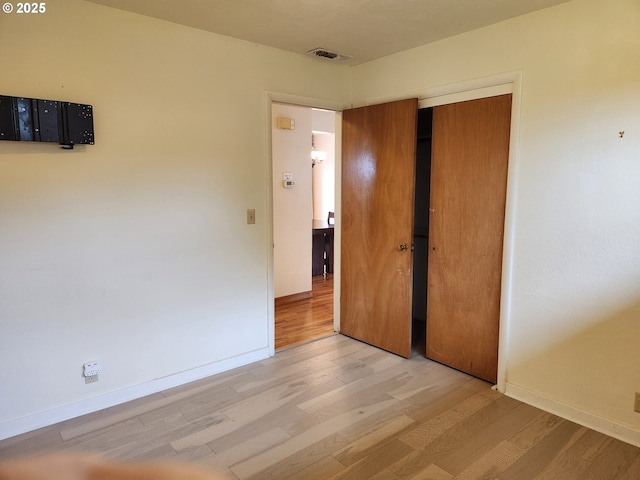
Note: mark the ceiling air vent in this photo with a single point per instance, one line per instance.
(327, 54)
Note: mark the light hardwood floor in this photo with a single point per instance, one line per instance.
(340, 409)
(308, 319)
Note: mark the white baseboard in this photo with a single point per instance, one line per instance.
(60, 414)
(586, 419)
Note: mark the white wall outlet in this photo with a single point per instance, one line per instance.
(91, 369)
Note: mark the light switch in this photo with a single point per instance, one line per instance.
(251, 216)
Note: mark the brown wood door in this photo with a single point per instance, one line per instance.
(470, 153)
(378, 169)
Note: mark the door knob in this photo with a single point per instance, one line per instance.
(402, 247)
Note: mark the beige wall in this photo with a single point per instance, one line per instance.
(135, 251)
(292, 207)
(324, 175)
(573, 332)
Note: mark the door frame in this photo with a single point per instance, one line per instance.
(508, 82)
(338, 107)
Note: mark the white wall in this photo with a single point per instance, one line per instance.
(292, 207)
(573, 331)
(135, 251)
(324, 175)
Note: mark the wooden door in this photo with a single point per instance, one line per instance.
(470, 153)
(378, 165)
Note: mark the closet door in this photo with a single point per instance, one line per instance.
(378, 169)
(470, 152)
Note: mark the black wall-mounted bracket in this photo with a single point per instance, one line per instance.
(35, 120)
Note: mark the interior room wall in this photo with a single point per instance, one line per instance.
(324, 177)
(136, 251)
(292, 207)
(573, 331)
(324, 180)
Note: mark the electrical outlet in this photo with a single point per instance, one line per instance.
(91, 378)
(91, 369)
(636, 406)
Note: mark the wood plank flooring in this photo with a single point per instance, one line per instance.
(340, 409)
(306, 319)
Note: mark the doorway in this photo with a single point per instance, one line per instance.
(303, 179)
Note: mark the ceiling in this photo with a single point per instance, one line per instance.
(362, 29)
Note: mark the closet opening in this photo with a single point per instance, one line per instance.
(421, 231)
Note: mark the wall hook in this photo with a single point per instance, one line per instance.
(621, 133)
